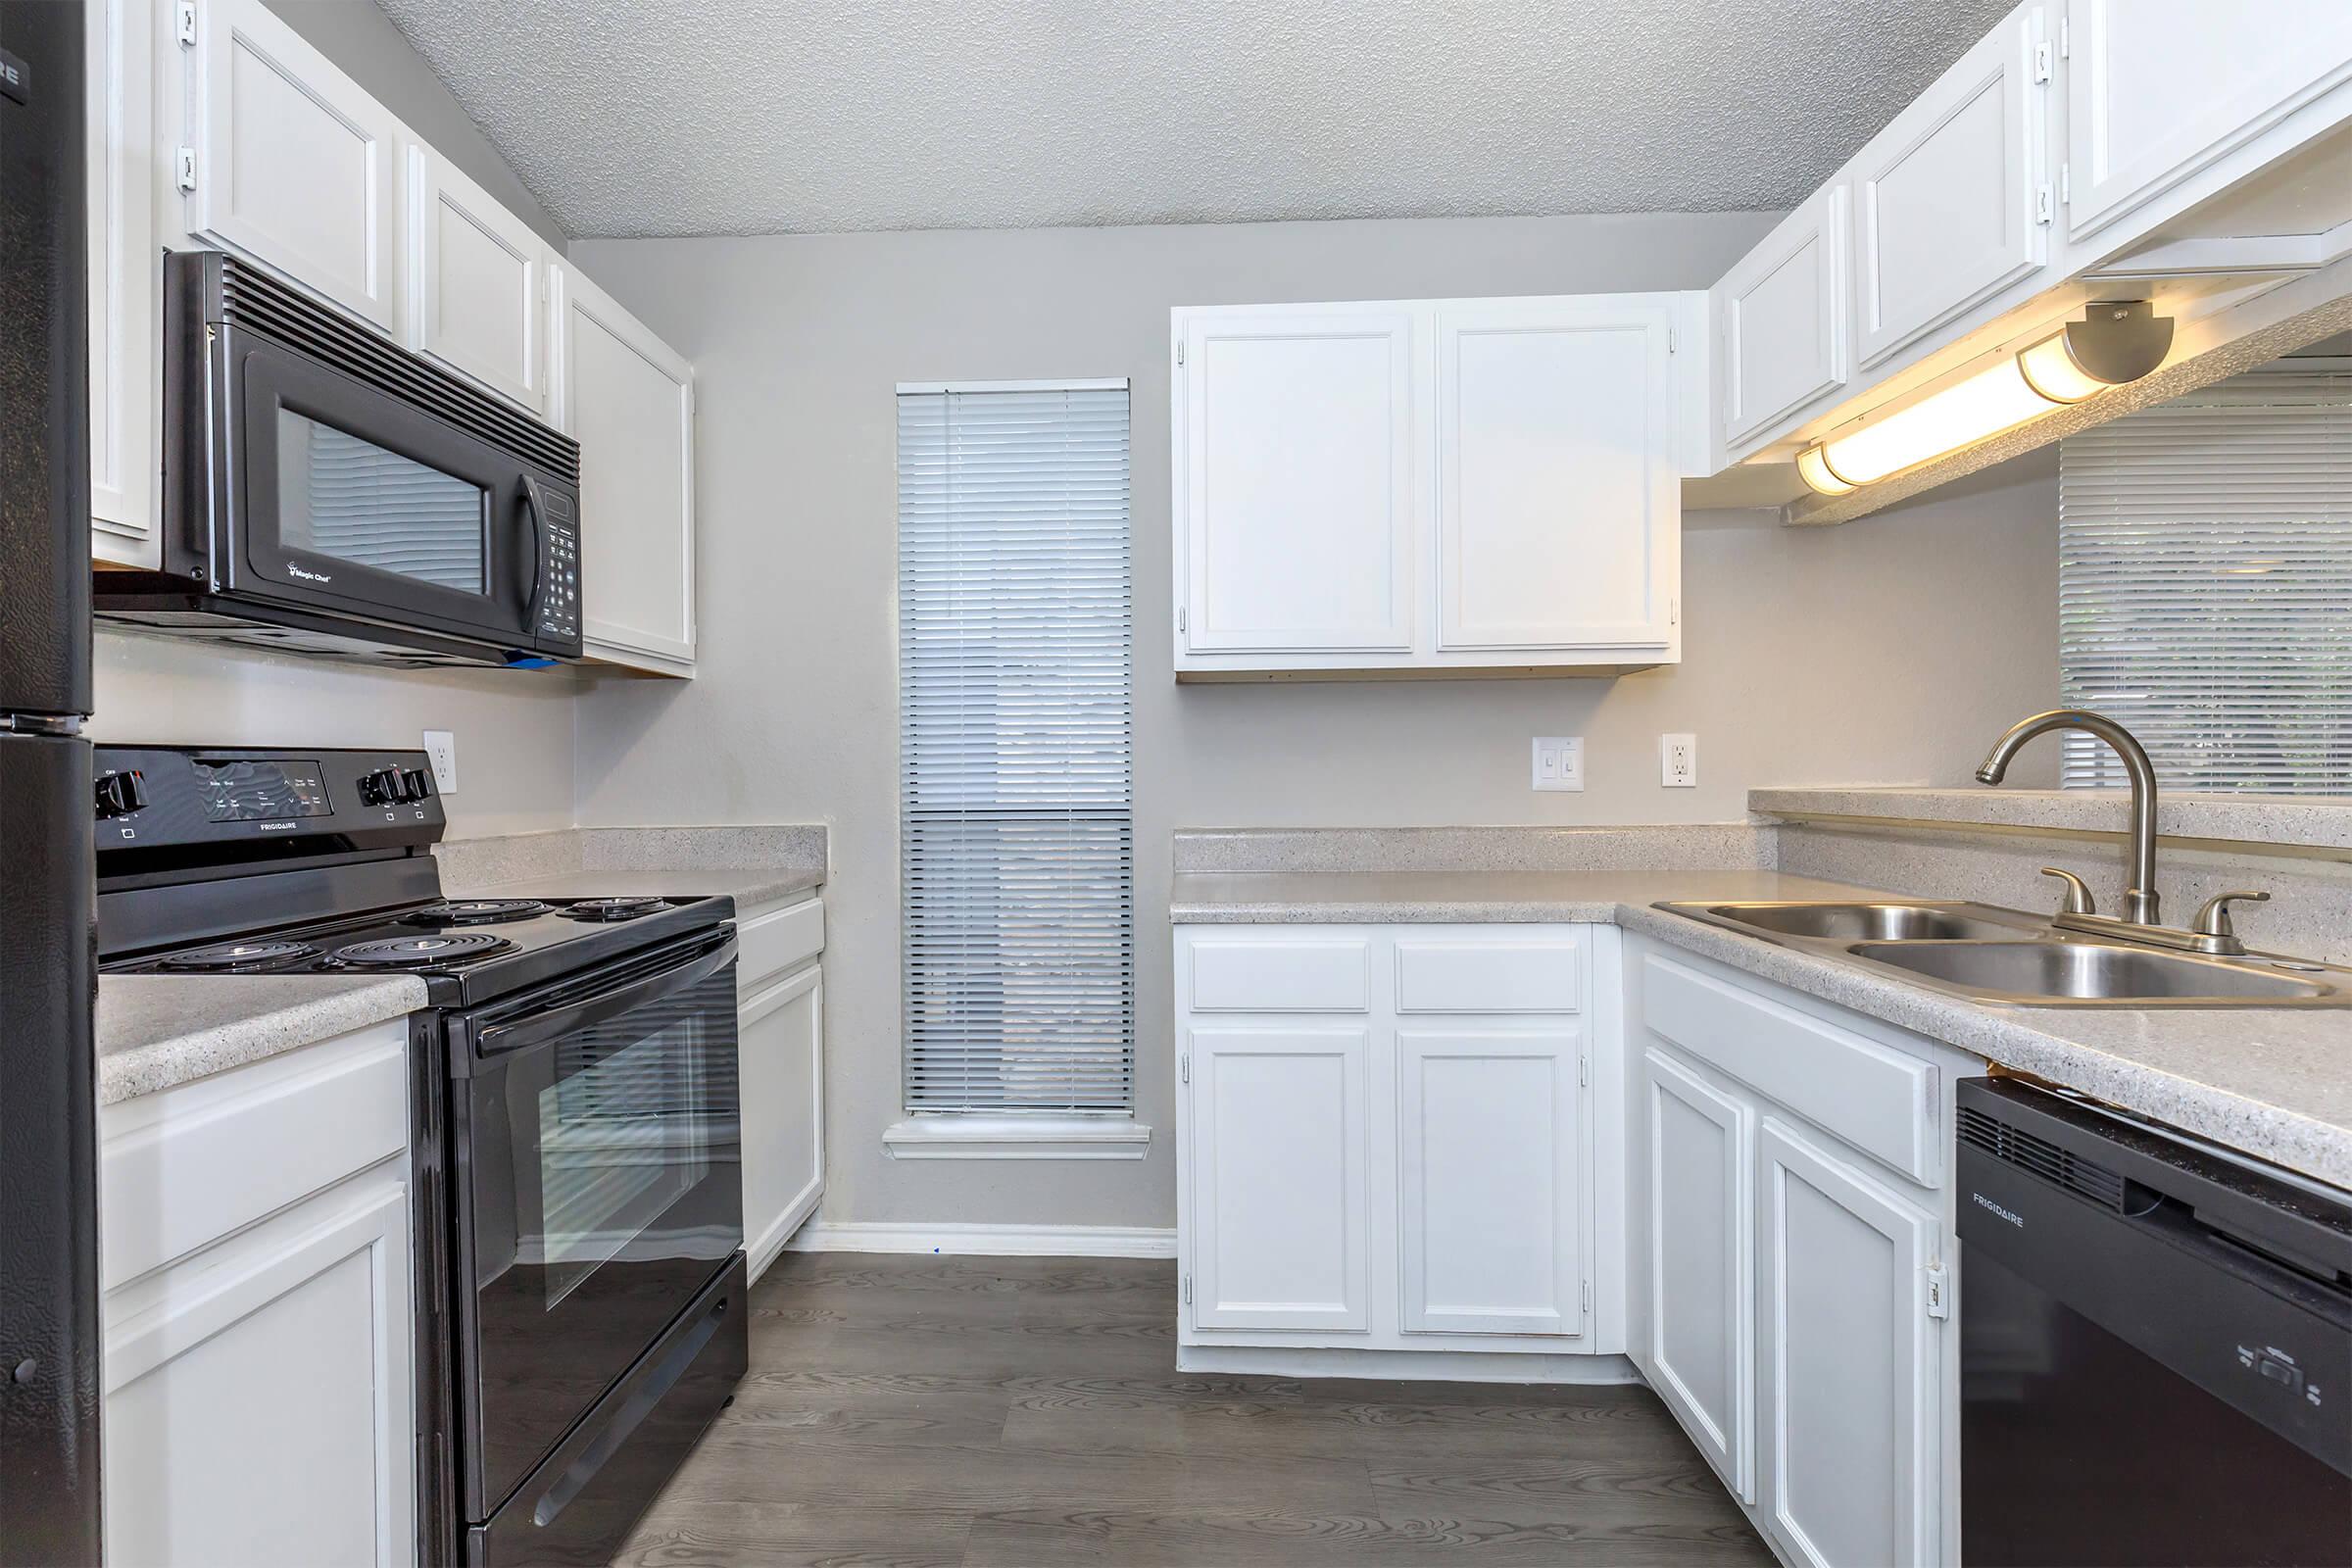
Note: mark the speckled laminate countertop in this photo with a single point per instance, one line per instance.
(2273, 1082)
(159, 1030)
(750, 888)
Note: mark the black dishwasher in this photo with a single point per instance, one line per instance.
(2155, 1344)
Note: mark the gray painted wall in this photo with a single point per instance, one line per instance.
(358, 37)
(514, 727)
(1890, 651)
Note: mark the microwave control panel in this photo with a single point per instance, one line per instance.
(560, 591)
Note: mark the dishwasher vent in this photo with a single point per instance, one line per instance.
(2045, 1159)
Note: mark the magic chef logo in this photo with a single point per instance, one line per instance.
(292, 570)
(1982, 1201)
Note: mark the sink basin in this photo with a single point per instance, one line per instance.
(1864, 923)
(2051, 971)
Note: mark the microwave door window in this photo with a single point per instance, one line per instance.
(352, 499)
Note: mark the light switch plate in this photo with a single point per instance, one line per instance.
(1559, 762)
(442, 747)
(1678, 761)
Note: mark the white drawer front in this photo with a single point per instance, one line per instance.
(1489, 976)
(774, 941)
(1262, 975)
(1874, 1097)
(182, 1168)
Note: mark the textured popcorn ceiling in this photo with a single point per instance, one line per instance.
(733, 116)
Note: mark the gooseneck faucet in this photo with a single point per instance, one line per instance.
(2140, 903)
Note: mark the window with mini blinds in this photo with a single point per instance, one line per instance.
(1016, 827)
(2205, 584)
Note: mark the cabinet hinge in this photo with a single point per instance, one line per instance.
(1180, 617)
(2045, 204)
(2042, 61)
(188, 168)
(1588, 1296)
(1939, 1301)
(1180, 351)
(1584, 1071)
(2066, 184)
(2066, 38)
(1670, 341)
(1674, 612)
(183, 20)
(1188, 1289)
(1184, 1068)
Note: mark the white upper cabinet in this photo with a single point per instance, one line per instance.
(1297, 482)
(477, 282)
(628, 399)
(1781, 317)
(125, 280)
(1429, 485)
(289, 160)
(2161, 92)
(1948, 198)
(1558, 504)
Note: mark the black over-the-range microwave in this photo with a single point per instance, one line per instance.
(328, 491)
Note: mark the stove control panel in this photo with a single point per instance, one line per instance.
(213, 799)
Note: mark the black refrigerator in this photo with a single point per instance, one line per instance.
(49, 1506)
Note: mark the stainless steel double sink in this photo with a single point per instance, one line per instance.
(2009, 957)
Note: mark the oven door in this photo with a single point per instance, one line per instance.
(595, 1132)
(339, 497)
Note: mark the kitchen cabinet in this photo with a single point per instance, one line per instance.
(1793, 1306)
(1430, 486)
(1951, 198)
(1699, 1183)
(1783, 318)
(628, 399)
(259, 1313)
(477, 282)
(780, 1055)
(2169, 101)
(287, 160)
(125, 280)
(1388, 1141)
(1849, 1363)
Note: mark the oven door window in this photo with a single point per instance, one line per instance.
(344, 497)
(602, 1187)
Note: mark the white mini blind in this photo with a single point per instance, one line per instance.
(2205, 585)
(1017, 832)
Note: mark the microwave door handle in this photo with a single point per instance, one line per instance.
(531, 505)
(540, 1028)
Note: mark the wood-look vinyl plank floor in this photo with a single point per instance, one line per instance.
(968, 1412)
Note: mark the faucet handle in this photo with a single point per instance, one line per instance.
(2078, 891)
(2213, 915)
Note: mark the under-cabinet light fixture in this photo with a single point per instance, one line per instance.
(2117, 341)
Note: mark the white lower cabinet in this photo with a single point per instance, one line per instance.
(1794, 1307)
(259, 1317)
(780, 1057)
(1387, 1139)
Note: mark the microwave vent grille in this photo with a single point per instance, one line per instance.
(253, 300)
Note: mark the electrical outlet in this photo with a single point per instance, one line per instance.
(442, 747)
(1559, 762)
(1678, 761)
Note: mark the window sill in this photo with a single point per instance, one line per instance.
(947, 1137)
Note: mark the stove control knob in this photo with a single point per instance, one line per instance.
(419, 783)
(120, 793)
(383, 787)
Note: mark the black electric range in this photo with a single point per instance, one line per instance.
(575, 1110)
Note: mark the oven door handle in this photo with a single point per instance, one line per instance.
(541, 1028)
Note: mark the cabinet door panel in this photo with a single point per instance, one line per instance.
(478, 276)
(1556, 493)
(1849, 1361)
(1490, 1173)
(1299, 510)
(262, 1409)
(783, 1069)
(1944, 197)
(295, 164)
(2158, 90)
(1703, 1264)
(1278, 1159)
(628, 399)
(123, 283)
(1781, 316)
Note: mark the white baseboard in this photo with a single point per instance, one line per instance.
(1411, 1366)
(986, 1241)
